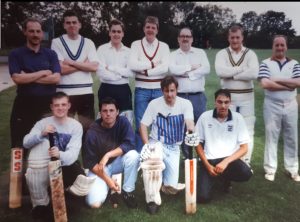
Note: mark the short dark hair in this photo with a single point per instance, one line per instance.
(31, 19)
(116, 22)
(168, 80)
(224, 92)
(235, 28)
(108, 100)
(70, 13)
(152, 20)
(59, 95)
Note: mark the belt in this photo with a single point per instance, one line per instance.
(148, 80)
(240, 90)
(190, 94)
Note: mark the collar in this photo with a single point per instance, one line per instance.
(274, 59)
(112, 47)
(192, 50)
(148, 45)
(242, 50)
(229, 117)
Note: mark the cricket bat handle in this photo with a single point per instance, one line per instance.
(51, 141)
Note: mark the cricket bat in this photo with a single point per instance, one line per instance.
(57, 187)
(118, 179)
(190, 167)
(15, 185)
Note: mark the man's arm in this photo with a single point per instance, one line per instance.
(291, 83)
(85, 66)
(220, 167)
(51, 79)
(268, 84)
(144, 133)
(222, 69)
(250, 71)
(36, 135)
(25, 78)
(210, 168)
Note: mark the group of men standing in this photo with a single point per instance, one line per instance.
(172, 105)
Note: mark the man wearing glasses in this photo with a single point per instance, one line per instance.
(190, 66)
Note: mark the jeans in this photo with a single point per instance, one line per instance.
(199, 106)
(142, 97)
(236, 171)
(127, 163)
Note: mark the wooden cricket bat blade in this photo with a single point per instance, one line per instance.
(190, 185)
(15, 185)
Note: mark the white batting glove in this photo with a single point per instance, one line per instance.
(192, 139)
(145, 153)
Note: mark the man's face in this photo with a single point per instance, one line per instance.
(109, 114)
(72, 25)
(150, 31)
(116, 34)
(33, 33)
(235, 40)
(222, 104)
(185, 39)
(279, 47)
(170, 93)
(60, 107)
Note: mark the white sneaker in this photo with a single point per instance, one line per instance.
(295, 177)
(270, 176)
(180, 186)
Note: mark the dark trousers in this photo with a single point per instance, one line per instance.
(71, 172)
(236, 171)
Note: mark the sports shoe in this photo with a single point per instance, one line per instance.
(169, 190)
(152, 208)
(270, 176)
(42, 212)
(129, 199)
(295, 177)
(114, 200)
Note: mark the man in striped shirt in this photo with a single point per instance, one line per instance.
(167, 116)
(237, 67)
(279, 76)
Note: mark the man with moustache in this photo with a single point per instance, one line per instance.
(190, 65)
(279, 76)
(149, 59)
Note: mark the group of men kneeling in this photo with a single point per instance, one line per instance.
(220, 138)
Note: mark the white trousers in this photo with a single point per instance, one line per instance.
(281, 116)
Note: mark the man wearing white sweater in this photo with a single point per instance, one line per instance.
(237, 67)
(149, 59)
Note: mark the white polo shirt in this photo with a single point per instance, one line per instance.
(272, 68)
(221, 139)
(113, 68)
(181, 62)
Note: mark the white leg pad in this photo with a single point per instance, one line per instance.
(82, 185)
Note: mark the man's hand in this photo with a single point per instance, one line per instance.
(145, 152)
(112, 184)
(220, 167)
(48, 129)
(192, 139)
(211, 170)
(195, 66)
(54, 152)
(69, 62)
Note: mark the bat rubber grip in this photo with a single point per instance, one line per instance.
(51, 141)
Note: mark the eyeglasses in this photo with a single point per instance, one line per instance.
(185, 36)
(116, 31)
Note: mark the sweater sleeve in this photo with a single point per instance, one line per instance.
(35, 136)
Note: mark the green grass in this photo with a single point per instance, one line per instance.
(257, 200)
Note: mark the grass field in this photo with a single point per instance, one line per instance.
(256, 200)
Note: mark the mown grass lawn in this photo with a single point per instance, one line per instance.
(256, 200)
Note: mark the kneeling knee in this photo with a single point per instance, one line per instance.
(96, 205)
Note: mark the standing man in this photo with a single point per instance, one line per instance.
(190, 66)
(114, 72)
(109, 149)
(78, 58)
(167, 115)
(35, 70)
(237, 67)
(149, 59)
(223, 141)
(67, 139)
(279, 76)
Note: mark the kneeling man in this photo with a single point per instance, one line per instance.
(223, 141)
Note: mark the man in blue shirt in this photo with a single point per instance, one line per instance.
(35, 70)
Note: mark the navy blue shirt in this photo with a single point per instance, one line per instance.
(28, 61)
(100, 140)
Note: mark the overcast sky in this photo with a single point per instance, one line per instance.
(291, 9)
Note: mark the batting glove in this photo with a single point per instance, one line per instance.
(145, 153)
(192, 139)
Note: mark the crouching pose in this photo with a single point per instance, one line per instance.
(67, 139)
(109, 148)
(167, 116)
